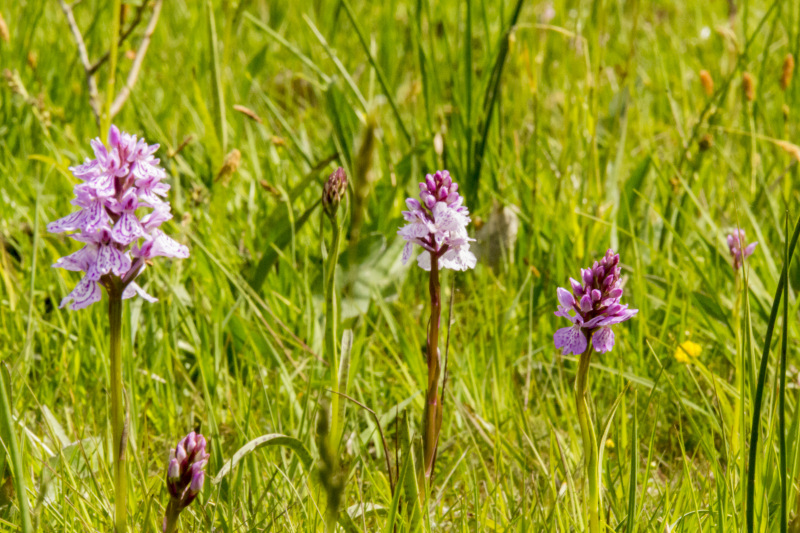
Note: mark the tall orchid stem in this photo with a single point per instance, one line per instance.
(590, 451)
(171, 517)
(118, 411)
(331, 323)
(433, 407)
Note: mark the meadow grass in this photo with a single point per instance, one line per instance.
(587, 120)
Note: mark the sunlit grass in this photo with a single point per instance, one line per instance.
(588, 122)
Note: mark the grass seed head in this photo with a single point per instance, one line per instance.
(788, 71)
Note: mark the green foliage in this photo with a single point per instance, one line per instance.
(587, 120)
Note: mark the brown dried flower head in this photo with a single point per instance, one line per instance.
(749, 86)
(707, 81)
(788, 71)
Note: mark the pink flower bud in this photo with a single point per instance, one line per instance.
(197, 482)
(173, 471)
(190, 442)
(180, 453)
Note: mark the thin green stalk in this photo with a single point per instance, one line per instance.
(7, 431)
(742, 359)
(331, 323)
(118, 411)
(433, 408)
(590, 453)
(330, 449)
(782, 396)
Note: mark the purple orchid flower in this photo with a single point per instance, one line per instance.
(596, 304)
(438, 224)
(736, 245)
(122, 179)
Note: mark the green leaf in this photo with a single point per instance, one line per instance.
(273, 439)
(219, 94)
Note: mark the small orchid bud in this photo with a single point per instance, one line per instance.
(185, 476)
(190, 443)
(334, 191)
(173, 471)
(113, 136)
(197, 482)
(180, 453)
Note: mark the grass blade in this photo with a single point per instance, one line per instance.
(15, 455)
(378, 71)
(219, 95)
(273, 439)
(634, 449)
(490, 99)
(782, 397)
(762, 376)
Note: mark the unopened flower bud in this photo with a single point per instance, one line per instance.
(113, 136)
(190, 443)
(173, 471)
(197, 482)
(180, 453)
(185, 476)
(333, 192)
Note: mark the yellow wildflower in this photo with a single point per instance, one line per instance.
(687, 350)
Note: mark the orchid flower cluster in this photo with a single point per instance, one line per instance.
(740, 250)
(122, 178)
(185, 476)
(596, 306)
(438, 224)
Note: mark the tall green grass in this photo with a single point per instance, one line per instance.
(592, 127)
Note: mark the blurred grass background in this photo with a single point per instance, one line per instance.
(572, 126)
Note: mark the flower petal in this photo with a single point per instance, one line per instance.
(603, 340)
(424, 261)
(127, 229)
(571, 340)
(133, 290)
(85, 293)
(407, 252)
(565, 297)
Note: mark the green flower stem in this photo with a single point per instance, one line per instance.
(590, 451)
(171, 517)
(332, 355)
(433, 408)
(118, 411)
(331, 323)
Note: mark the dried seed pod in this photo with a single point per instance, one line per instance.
(229, 166)
(749, 86)
(4, 33)
(707, 81)
(788, 71)
(706, 142)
